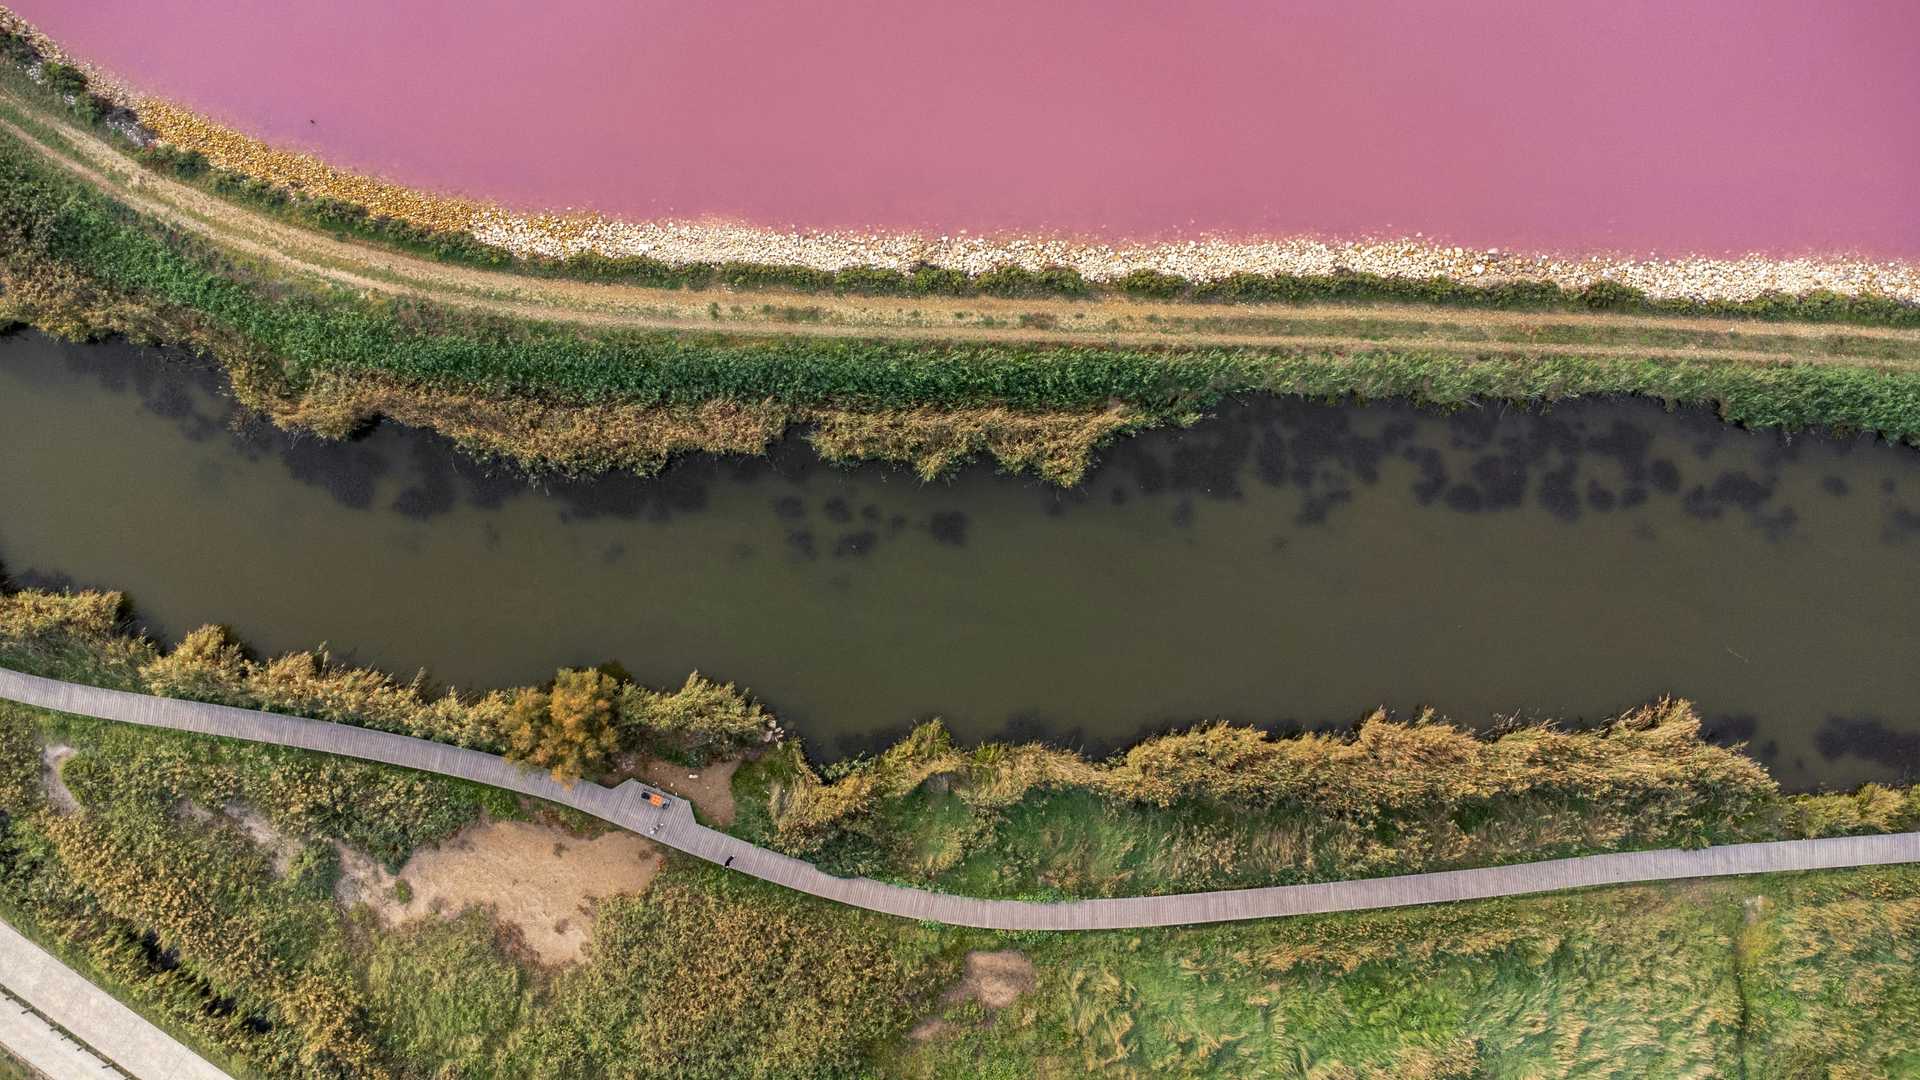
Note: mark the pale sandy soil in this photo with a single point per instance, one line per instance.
(259, 830)
(52, 756)
(709, 789)
(994, 979)
(538, 880)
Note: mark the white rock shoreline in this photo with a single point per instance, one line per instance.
(1692, 278)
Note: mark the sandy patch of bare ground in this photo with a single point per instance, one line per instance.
(52, 756)
(709, 788)
(538, 880)
(992, 981)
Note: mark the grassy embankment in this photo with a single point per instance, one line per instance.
(1216, 806)
(327, 336)
(706, 975)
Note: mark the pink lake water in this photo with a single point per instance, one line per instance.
(1627, 125)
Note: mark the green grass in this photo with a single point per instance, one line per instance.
(1625, 982)
(12, 1068)
(446, 992)
(1830, 976)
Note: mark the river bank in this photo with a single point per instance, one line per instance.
(327, 335)
(563, 382)
(1276, 565)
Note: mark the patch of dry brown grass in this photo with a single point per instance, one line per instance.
(1057, 446)
(535, 434)
(231, 150)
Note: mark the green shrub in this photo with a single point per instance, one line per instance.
(64, 79)
(1015, 281)
(926, 279)
(872, 280)
(701, 721)
(1152, 285)
(315, 871)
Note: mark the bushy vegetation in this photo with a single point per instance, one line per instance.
(711, 979)
(186, 915)
(1226, 807)
(572, 726)
(567, 730)
(701, 721)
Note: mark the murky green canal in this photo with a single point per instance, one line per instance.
(1285, 563)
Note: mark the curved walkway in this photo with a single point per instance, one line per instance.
(628, 806)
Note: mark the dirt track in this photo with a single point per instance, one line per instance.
(287, 249)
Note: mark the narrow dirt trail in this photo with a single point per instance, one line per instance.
(315, 256)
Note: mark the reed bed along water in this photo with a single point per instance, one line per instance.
(1210, 807)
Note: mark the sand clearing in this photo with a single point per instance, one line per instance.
(52, 757)
(709, 789)
(539, 880)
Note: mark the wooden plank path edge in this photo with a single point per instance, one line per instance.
(627, 806)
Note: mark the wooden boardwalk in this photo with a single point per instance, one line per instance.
(628, 807)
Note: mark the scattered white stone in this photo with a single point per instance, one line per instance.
(1202, 259)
